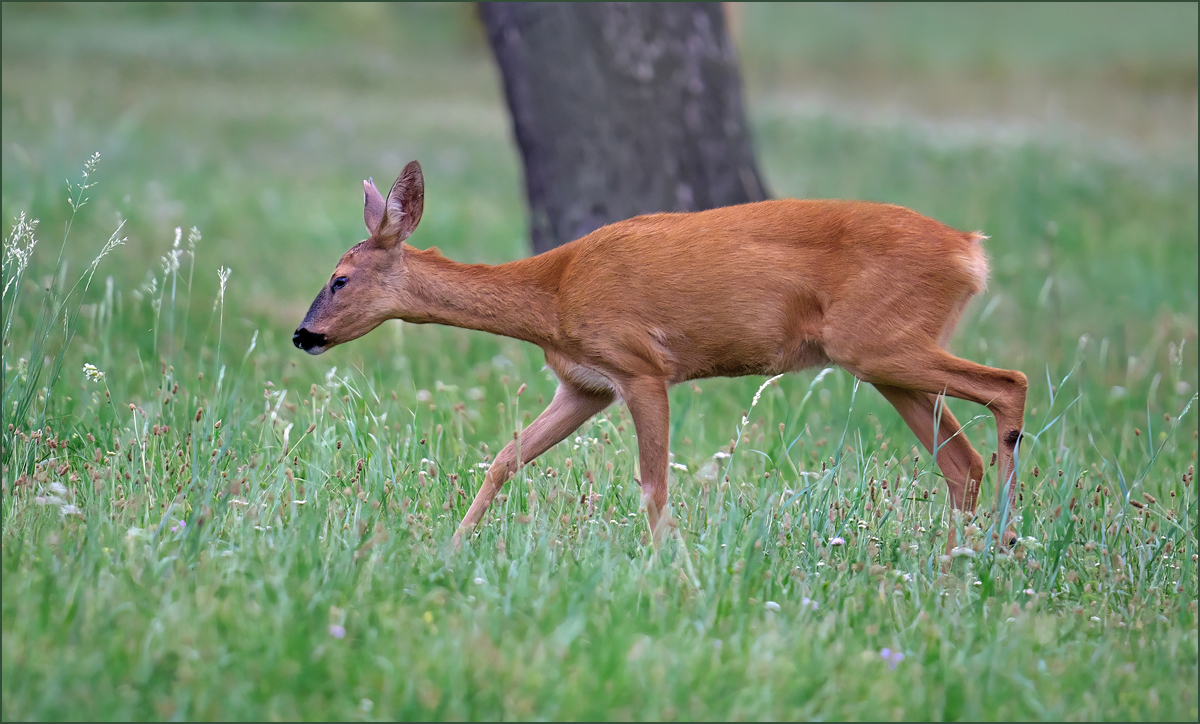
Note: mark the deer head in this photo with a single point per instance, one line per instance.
(368, 281)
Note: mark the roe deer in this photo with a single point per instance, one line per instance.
(639, 305)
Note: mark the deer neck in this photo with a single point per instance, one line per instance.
(514, 299)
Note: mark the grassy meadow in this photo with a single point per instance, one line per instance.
(201, 522)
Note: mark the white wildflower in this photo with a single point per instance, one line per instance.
(170, 262)
(90, 164)
(113, 242)
(150, 286)
(88, 167)
(18, 247)
(762, 387)
(746, 418)
(1030, 543)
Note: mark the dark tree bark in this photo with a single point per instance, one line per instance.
(622, 109)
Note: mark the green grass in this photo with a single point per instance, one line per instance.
(221, 562)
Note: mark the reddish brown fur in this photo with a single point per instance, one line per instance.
(642, 304)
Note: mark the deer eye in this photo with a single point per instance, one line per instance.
(338, 283)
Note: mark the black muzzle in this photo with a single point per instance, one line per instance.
(308, 341)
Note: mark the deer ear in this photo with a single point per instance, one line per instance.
(372, 206)
(402, 210)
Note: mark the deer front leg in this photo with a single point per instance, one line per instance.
(570, 408)
(651, 411)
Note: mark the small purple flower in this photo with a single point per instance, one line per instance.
(179, 526)
(838, 541)
(893, 658)
(337, 631)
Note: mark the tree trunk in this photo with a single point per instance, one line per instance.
(622, 109)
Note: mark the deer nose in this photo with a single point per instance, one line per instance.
(308, 341)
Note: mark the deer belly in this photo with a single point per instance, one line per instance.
(581, 376)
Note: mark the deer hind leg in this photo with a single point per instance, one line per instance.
(570, 408)
(958, 460)
(650, 409)
(935, 371)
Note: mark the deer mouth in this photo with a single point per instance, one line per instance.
(310, 342)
